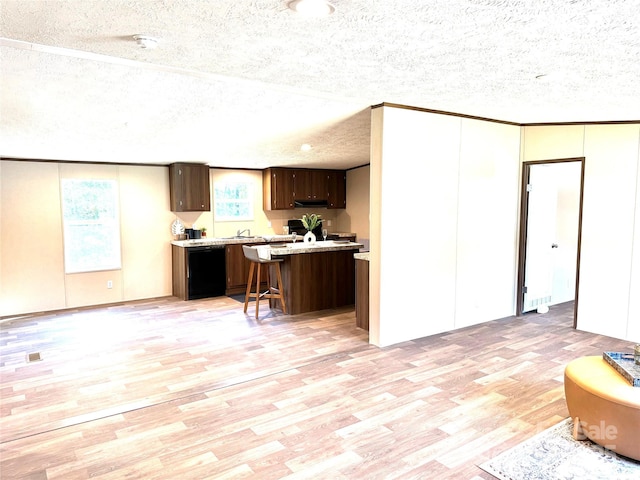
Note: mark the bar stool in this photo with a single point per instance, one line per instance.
(251, 254)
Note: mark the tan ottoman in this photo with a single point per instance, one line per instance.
(604, 406)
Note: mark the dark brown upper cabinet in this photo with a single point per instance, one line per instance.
(283, 186)
(310, 185)
(277, 188)
(189, 189)
(337, 188)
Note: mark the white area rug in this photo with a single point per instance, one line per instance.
(554, 455)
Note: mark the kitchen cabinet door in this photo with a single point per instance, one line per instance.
(337, 185)
(319, 185)
(301, 185)
(277, 188)
(310, 185)
(238, 270)
(189, 189)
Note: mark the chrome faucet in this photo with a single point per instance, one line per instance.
(240, 232)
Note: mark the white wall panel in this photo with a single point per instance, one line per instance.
(146, 235)
(375, 219)
(608, 228)
(31, 251)
(553, 142)
(487, 222)
(633, 325)
(419, 183)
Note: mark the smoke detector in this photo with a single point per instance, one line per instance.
(145, 41)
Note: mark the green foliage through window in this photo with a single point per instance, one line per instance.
(91, 226)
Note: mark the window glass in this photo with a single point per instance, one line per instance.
(91, 226)
(233, 201)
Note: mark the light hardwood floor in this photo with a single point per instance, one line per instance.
(167, 389)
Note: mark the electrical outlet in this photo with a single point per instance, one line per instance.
(268, 224)
(328, 223)
(109, 284)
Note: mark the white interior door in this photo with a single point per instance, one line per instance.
(567, 178)
(541, 237)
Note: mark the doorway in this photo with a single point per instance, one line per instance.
(550, 233)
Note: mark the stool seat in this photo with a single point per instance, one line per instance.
(272, 293)
(604, 406)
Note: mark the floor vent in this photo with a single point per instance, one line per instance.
(33, 357)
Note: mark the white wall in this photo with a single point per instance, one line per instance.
(488, 199)
(633, 325)
(355, 218)
(444, 196)
(444, 221)
(31, 250)
(144, 193)
(610, 201)
(32, 253)
(608, 283)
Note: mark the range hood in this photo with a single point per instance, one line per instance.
(310, 203)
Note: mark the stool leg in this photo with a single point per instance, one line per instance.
(269, 291)
(249, 282)
(281, 291)
(258, 291)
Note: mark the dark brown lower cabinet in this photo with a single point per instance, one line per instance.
(179, 268)
(317, 281)
(238, 270)
(362, 294)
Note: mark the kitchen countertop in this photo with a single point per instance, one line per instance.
(343, 234)
(361, 256)
(258, 239)
(205, 242)
(303, 247)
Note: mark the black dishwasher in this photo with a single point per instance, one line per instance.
(206, 272)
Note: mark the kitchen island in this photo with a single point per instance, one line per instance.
(310, 278)
(316, 276)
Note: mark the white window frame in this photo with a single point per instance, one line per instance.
(102, 228)
(219, 200)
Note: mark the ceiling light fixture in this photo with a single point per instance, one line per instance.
(146, 41)
(312, 8)
(305, 147)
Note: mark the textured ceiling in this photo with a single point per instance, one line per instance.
(245, 83)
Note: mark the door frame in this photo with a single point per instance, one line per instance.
(524, 217)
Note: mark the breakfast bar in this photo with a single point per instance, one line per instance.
(316, 276)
